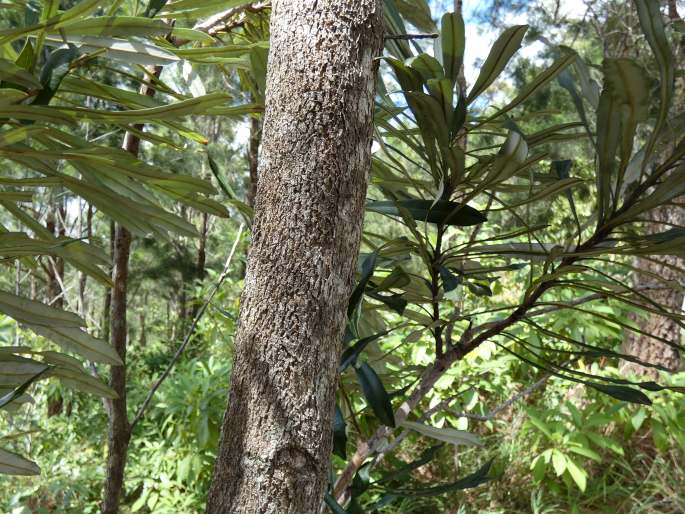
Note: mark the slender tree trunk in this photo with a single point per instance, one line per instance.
(201, 263)
(55, 294)
(643, 347)
(119, 433)
(55, 225)
(276, 442)
(83, 301)
(202, 249)
(107, 304)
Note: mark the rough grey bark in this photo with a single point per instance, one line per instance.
(253, 159)
(276, 439)
(647, 348)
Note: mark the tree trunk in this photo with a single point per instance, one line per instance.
(276, 441)
(55, 295)
(107, 304)
(119, 433)
(644, 347)
(83, 280)
(201, 264)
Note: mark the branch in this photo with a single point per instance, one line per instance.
(189, 334)
(221, 22)
(471, 340)
(411, 36)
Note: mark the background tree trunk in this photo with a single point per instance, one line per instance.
(55, 223)
(276, 440)
(119, 434)
(643, 347)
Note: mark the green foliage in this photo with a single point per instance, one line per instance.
(502, 223)
(550, 293)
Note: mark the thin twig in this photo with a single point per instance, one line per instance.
(518, 396)
(191, 332)
(411, 36)
(221, 21)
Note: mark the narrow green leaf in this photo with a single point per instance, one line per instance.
(427, 66)
(500, 54)
(350, 355)
(448, 435)
(117, 26)
(449, 280)
(13, 464)
(538, 82)
(442, 212)
(653, 28)
(13, 74)
(367, 269)
(577, 473)
(153, 7)
(339, 434)
(416, 12)
(375, 394)
(403, 472)
(30, 311)
(627, 394)
(608, 137)
(21, 389)
(468, 482)
(452, 41)
(54, 70)
(333, 505)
